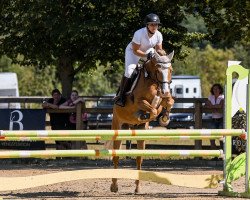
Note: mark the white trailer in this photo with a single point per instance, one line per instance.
(185, 86)
(9, 88)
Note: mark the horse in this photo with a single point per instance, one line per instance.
(153, 82)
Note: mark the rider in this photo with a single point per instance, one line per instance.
(143, 39)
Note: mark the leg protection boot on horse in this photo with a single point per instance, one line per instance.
(120, 100)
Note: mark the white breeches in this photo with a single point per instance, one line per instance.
(131, 60)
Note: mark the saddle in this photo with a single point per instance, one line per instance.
(132, 81)
(134, 78)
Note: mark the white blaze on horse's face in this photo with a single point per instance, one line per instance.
(165, 63)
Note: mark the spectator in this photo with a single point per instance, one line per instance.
(71, 125)
(71, 103)
(57, 120)
(216, 101)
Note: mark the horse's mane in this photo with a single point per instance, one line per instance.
(161, 52)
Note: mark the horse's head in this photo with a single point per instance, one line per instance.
(160, 70)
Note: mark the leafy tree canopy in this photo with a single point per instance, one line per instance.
(74, 34)
(31, 80)
(209, 64)
(227, 21)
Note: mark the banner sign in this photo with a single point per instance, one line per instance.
(22, 119)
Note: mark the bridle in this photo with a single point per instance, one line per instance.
(163, 65)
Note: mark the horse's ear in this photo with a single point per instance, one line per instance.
(171, 55)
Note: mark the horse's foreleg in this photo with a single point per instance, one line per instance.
(167, 104)
(140, 145)
(144, 105)
(114, 185)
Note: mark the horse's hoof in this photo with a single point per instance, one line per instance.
(114, 187)
(137, 190)
(164, 121)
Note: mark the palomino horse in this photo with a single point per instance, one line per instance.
(154, 80)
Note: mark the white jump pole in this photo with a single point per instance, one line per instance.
(234, 103)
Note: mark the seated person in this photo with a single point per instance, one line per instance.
(71, 103)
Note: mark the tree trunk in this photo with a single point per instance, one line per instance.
(66, 74)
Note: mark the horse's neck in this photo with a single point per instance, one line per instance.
(143, 84)
(148, 71)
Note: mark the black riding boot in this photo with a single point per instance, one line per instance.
(120, 99)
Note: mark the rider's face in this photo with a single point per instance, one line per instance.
(153, 27)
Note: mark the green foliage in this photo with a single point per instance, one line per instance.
(226, 21)
(189, 65)
(72, 35)
(45, 31)
(37, 82)
(210, 64)
(5, 63)
(31, 81)
(213, 65)
(98, 81)
(194, 24)
(242, 53)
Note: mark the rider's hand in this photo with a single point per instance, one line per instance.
(149, 55)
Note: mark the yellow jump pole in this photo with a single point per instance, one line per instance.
(105, 152)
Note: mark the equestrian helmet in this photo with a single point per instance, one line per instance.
(152, 18)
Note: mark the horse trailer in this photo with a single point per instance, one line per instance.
(185, 86)
(9, 88)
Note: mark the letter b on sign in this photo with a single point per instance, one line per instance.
(16, 117)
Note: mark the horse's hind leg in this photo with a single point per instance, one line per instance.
(140, 145)
(139, 159)
(114, 185)
(116, 145)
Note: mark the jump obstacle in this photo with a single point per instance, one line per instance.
(198, 181)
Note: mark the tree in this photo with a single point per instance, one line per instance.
(31, 81)
(99, 82)
(213, 63)
(227, 21)
(242, 53)
(73, 35)
(209, 64)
